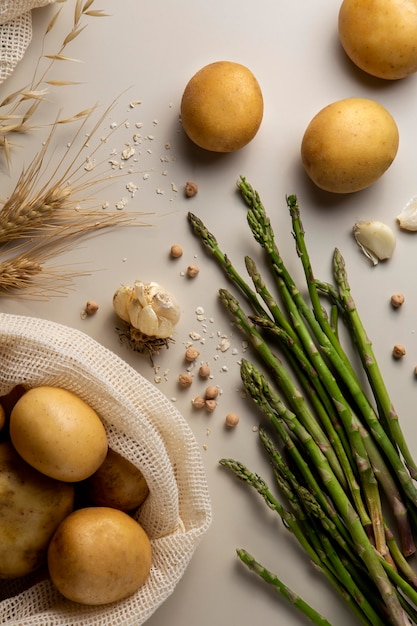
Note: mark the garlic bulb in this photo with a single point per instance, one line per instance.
(407, 219)
(148, 307)
(150, 312)
(376, 240)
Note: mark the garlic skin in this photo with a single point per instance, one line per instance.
(407, 219)
(148, 308)
(376, 240)
(121, 300)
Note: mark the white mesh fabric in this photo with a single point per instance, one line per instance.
(144, 427)
(15, 31)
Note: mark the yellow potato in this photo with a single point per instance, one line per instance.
(99, 555)
(380, 36)
(349, 145)
(222, 107)
(117, 483)
(32, 506)
(58, 433)
(2, 417)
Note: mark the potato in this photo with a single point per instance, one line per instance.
(222, 107)
(7, 402)
(117, 483)
(349, 145)
(380, 36)
(58, 433)
(99, 555)
(32, 506)
(2, 417)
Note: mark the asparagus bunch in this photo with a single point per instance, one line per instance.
(339, 457)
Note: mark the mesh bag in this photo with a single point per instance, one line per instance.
(15, 31)
(142, 425)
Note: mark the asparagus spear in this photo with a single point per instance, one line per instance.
(261, 228)
(370, 362)
(292, 524)
(347, 512)
(281, 588)
(325, 336)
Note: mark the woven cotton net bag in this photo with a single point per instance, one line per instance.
(143, 426)
(15, 32)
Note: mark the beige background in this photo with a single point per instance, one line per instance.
(146, 51)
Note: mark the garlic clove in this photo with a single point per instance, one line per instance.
(134, 310)
(165, 328)
(147, 322)
(121, 302)
(407, 219)
(140, 290)
(165, 305)
(376, 240)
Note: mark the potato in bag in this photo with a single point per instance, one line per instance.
(32, 506)
(117, 483)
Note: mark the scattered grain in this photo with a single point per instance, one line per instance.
(128, 152)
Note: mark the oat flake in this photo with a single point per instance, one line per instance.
(128, 152)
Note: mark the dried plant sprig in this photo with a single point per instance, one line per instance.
(41, 218)
(23, 103)
(26, 270)
(28, 273)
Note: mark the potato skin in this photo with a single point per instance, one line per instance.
(349, 145)
(99, 555)
(32, 506)
(222, 107)
(380, 36)
(117, 483)
(56, 432)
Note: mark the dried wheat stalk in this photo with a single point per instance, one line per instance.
(41, 219)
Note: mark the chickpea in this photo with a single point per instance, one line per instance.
(231, 420)
(191, 354)
(211, 392)
(185, 380)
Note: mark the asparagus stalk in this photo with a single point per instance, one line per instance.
(292, 524)
(324, 558)
(280, 587)
(210, 243)
(294, 326)
(350, 517)
(261, 228)
(370, 363)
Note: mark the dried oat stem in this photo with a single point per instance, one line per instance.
(17, 108)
